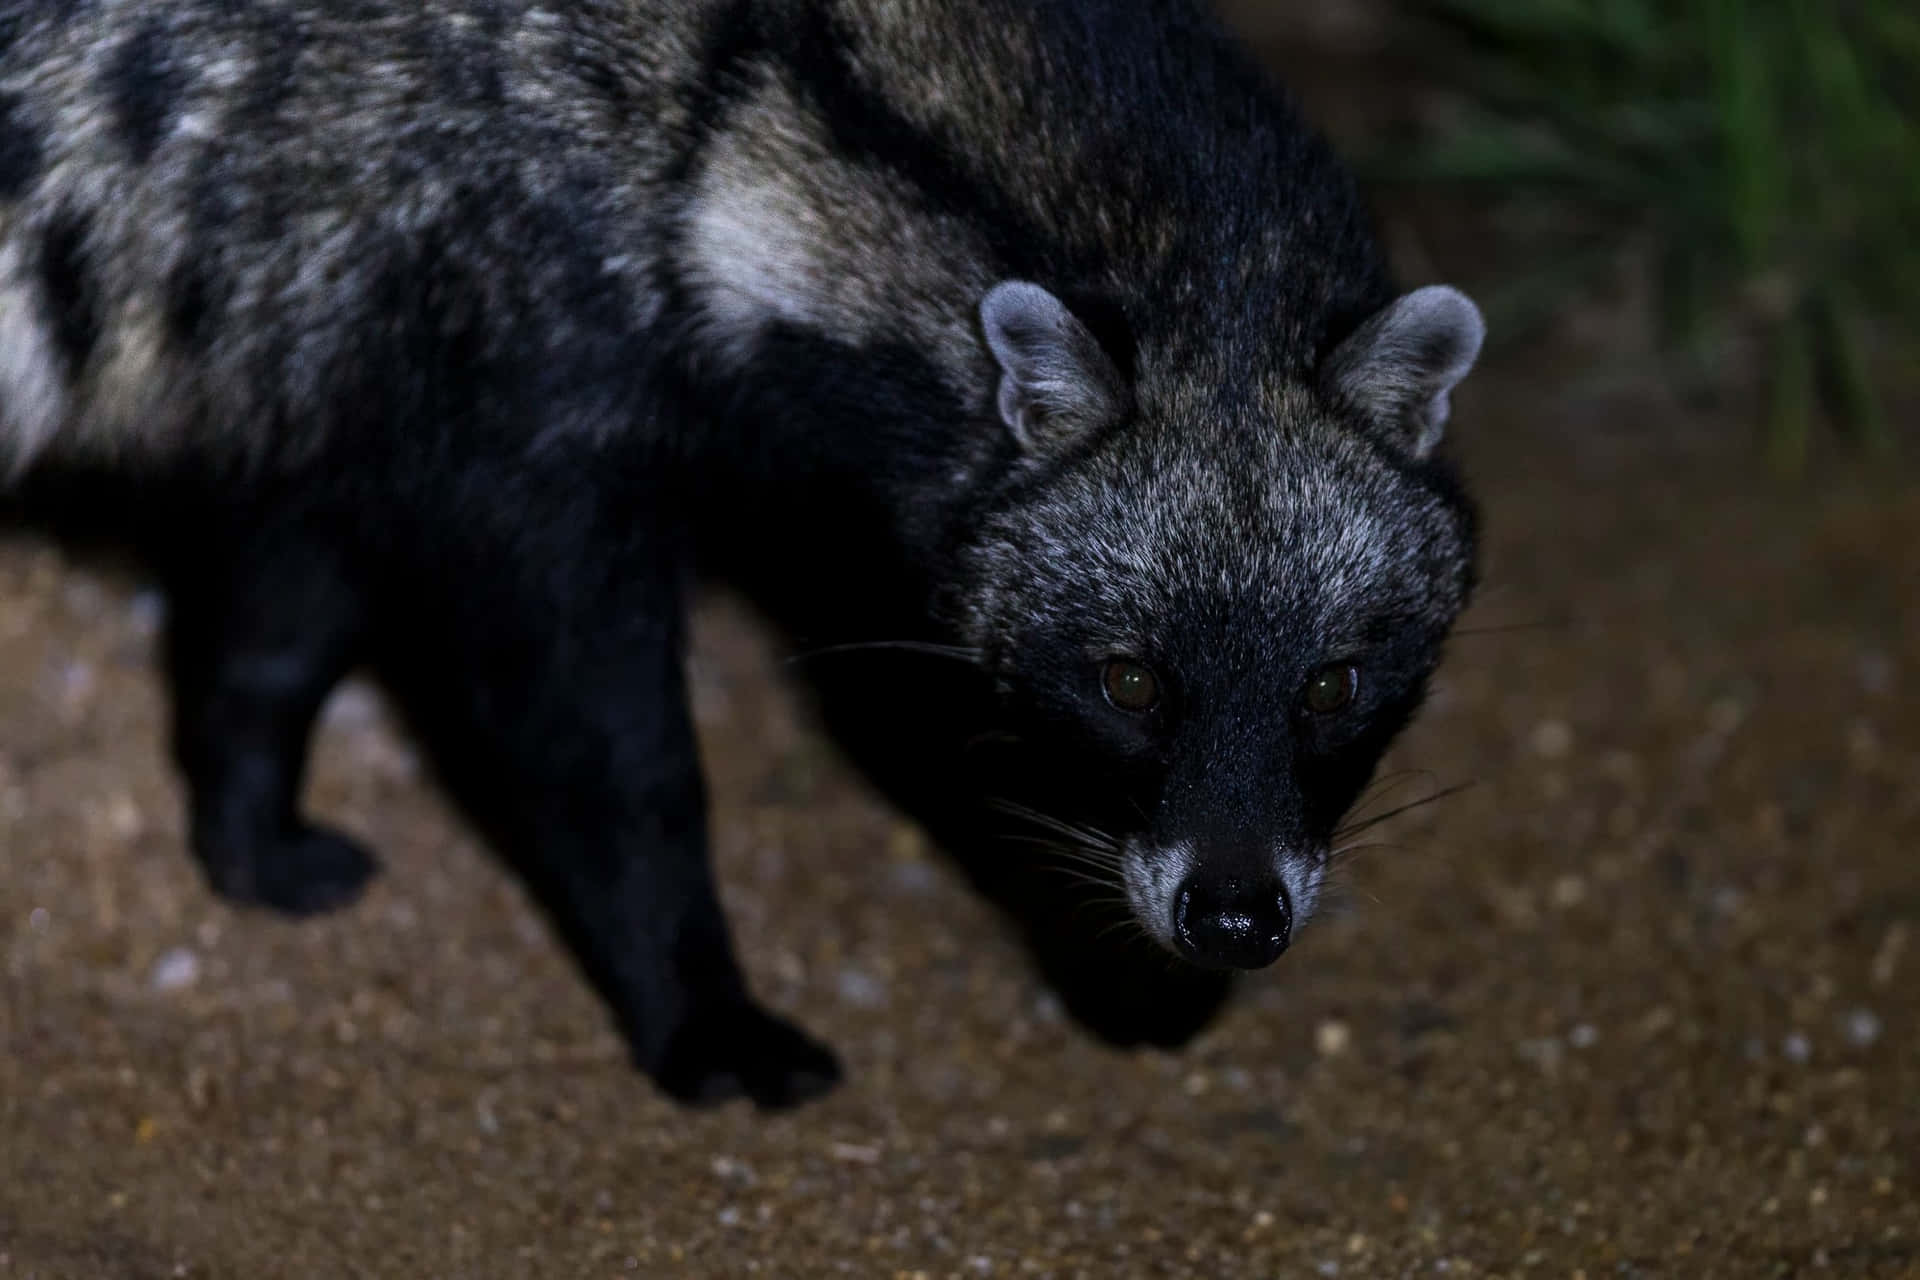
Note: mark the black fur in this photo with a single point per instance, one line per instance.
(20, 149)
(144, 84)
(73, 300)
(487, 460)
(192, 307)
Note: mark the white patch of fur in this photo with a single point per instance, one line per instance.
(1152, 877)
(780, 228)
(33, 401)
(130, 377)
(199, 125)
(1302, 878)
(753, 250)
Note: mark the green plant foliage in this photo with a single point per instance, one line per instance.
(1763, 156)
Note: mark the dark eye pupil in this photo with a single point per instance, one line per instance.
(1330, 689)
(1130, 686)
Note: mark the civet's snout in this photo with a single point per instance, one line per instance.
(1233, 923)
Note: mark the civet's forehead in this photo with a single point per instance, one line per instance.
(1316, 527)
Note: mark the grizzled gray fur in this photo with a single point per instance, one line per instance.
(1028, 356)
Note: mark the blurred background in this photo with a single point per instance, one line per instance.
(1638, 1001)
(1718, 196)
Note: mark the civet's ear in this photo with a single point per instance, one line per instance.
(1057, 383)
(1399, 367)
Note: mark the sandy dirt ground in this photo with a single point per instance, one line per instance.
(1639, 1002)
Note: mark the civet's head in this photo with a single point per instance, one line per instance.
(1214, 604)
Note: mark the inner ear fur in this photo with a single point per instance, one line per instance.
(1057, 382)
(1399, 368)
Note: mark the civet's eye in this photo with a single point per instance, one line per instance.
(1330, 688)
(1130, 686)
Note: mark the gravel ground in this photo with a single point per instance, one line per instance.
(1639, 1002)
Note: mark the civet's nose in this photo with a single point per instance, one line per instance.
(1232, 923)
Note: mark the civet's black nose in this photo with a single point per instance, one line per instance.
(1232, 923)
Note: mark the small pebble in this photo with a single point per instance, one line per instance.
(1584, 1036)
(914, 877)
(1544, 1052)
(355, 705)
(1332, 1037)
(147, 612)
(177, 967)
(906, 844)
(1863, 1028)
(1726, 715)
(1797, 1048)
(123, 816)
(1569, 891)
(83, 597)
(1551, 739)
(39, 920)
(732, 1170)
(861, 989)
(74, 681)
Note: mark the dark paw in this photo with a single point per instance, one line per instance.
(304, 873)
(741, 1050)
